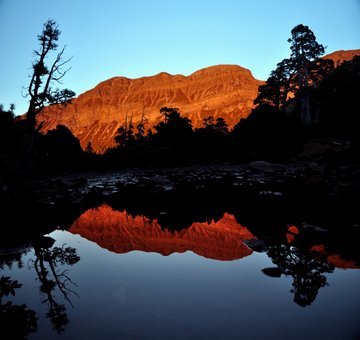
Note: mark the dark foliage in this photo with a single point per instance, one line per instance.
(16, 321)
(335, 101)
(7, 130)
(267, 131)
(44, 76)
(175, 131)
(276, 89)
(307, 269)
(59, 150)
(48, 266)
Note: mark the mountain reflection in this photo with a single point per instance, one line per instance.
(304, 253)
(120, 232)
(220, 238)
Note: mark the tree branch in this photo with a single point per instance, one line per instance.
(52, 70)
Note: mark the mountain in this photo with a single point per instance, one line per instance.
(224, 90)
(223, 240)
(121, 233)
(338, 57)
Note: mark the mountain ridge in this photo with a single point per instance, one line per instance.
(121, 233)
(221, 91)
(339, 56)
(224, 90)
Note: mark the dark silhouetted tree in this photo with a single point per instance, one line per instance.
(120, 137)
(89, 149)
(125, 136)
(40, 89)
(304, 51)
(7, 127)
(336, 100)
(48, 266)
(174, 130)
(210, 141)
(59, 149)
(16, 321)
(275, 91)
(208, 121)
(218, 125)
(6, 116)
(221, 126)
(13, 146)
(284, 100)
(306, 268)
(267, 130)
(140, 128)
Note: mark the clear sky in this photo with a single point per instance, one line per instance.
(143, 37)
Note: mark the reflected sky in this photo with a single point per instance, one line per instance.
(144, 294)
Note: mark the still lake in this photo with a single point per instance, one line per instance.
(115, 275)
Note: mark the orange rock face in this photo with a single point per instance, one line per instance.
(338, 57)
(335, 259)
(339, 262)
(291, 233)
(121, 233)
(224, 91)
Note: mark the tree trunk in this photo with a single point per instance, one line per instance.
(31, 115)
(305, 101)
(305, 109)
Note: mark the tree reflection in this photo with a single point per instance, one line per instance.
(16, 321)
(47, 264)
(306, 267)
(8, 260)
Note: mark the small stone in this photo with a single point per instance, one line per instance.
(272, 271)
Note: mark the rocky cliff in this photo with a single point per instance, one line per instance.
(224, 90)
(121, 233)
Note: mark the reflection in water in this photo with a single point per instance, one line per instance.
(16, 321)
(306, 268)
(46, 264)
(120, 232)
(335, 259)
(147, 282)
(224, 239)
(13, 256)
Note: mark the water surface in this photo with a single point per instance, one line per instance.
(113, 274)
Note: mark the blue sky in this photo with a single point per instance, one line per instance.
(144, 37)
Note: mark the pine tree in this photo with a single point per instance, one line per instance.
(305, 50)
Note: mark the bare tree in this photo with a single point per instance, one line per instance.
(40, 89)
